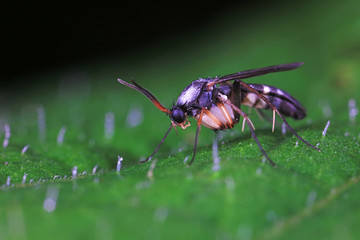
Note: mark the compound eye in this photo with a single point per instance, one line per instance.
(178, 115)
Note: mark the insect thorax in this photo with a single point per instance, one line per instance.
(192, 93)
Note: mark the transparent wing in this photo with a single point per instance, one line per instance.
(257, 72)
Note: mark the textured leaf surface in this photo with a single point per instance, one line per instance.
(310, 195)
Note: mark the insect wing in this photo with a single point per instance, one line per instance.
(258, 72)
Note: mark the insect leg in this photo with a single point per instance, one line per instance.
(277, 111)
(243, 125)
(251, 126)
(273, 122)
(264, 117)
(196, 135)
(157, 148)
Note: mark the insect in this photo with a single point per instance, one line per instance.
(216, 104)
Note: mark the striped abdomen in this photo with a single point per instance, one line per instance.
(283, 101)
(219, 116)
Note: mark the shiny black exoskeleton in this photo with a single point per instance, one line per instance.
(195, 97)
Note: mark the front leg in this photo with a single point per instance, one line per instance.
(198, 127)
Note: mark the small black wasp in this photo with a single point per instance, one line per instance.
(216, 103)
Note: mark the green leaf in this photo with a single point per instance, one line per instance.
(310, 195)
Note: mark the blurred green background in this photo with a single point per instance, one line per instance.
(310, 195)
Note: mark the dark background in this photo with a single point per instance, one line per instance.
(44, 37)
